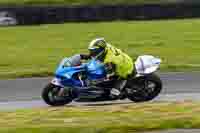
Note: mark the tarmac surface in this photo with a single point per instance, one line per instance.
(25, 93)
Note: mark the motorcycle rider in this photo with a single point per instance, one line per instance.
(118, 64)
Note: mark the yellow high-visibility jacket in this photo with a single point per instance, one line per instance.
(123, 63)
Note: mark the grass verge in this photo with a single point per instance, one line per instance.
(124, 118)
(36, 50)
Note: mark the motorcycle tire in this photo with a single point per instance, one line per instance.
(138, 96)
(48, 89)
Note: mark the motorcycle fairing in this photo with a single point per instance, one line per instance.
(147, 64)
(64, 75)
(95, 70)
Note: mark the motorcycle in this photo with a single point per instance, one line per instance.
(86, 82)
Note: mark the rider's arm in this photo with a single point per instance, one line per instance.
(85, 56)
(110, 69)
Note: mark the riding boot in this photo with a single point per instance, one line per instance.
(117, 92)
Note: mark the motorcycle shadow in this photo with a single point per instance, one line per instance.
(104, 103)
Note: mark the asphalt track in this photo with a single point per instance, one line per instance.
(25, 93)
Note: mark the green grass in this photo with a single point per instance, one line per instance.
(36, 50)
(78, 2)
(124, 118)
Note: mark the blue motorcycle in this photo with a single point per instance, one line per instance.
(87, 83)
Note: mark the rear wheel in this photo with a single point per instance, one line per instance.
(144, 88)
(51, 96)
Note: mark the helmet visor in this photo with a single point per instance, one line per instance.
(96, 51)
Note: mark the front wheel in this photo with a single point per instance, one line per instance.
(50, 95)
(144, 88)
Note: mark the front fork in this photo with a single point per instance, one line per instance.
(57, 82)
(74, 92)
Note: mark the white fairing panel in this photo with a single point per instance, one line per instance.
(147, 64)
